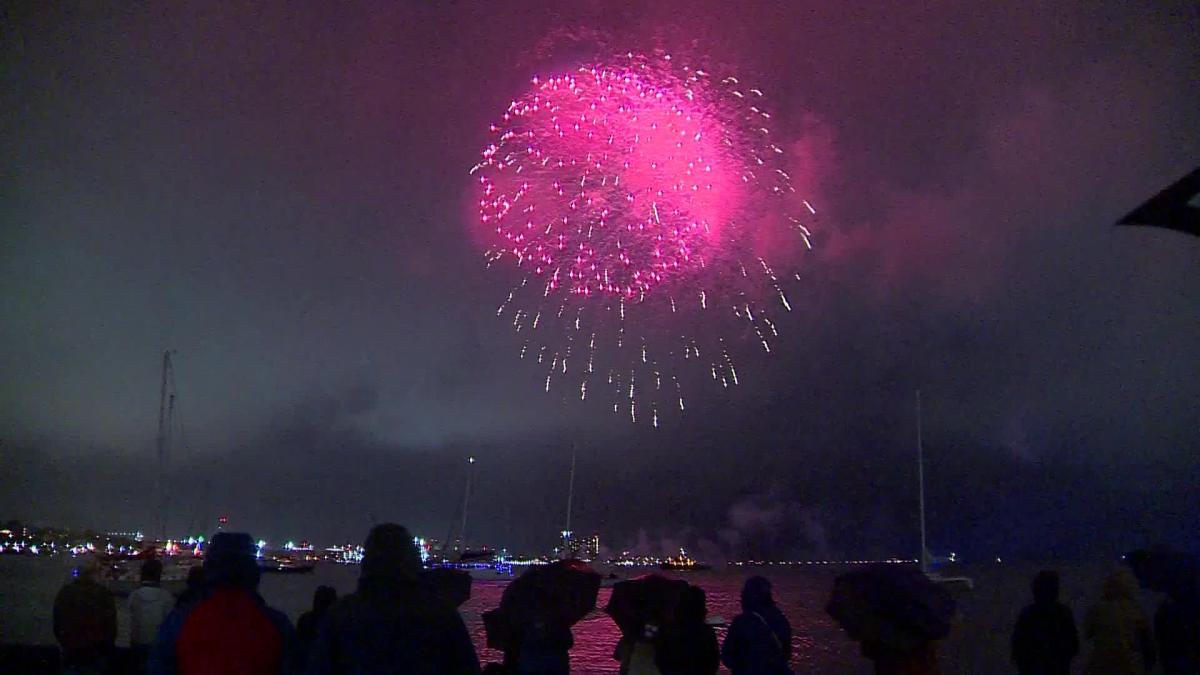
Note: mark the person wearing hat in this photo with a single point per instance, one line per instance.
(393, 623)
(229, 629)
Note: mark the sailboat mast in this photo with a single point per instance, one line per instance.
(570, 492)
(163, 442)
(462, 532)
(921, 483)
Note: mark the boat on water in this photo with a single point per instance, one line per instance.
(609, 580)
(496, 572)
(683, 563)
(123, 574)
(283, 564)
(952, 583)
(482, 565)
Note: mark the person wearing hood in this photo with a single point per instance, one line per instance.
(1045, 640)
(759, 641)
(85, 621)
(392, 623)
(1177, 632)
(194, 589)
(541, 640)
(228, 629)
(148, 606)
(311, 621)
(1177, 619)
(1118, 630)
(688, 645)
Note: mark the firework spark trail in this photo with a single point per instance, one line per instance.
(628, 193)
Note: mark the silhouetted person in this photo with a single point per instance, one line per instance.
(85, 621)
(688, 646)
(194, 590)
(638, 651)
(1045, 640)
(311, 621)
(1177, 631)
(1118, 630)
(392, 624)
(759, 641)
(541, 642)
(1177, 619)
(148, 606)
(545, 649)
(229, 629)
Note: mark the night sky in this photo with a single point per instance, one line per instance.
(281, 196)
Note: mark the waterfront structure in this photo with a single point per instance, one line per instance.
(582, 548)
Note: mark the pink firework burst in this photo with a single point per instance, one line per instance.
(636, 196)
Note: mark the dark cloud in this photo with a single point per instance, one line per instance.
(281, 197)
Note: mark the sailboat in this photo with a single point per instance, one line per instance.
(951, 583)
(570, 549)
(122, 573)
(481, 564)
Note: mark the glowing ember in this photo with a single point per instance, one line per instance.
(626, 191)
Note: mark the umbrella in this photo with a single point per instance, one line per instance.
(450, 585)
(1171, 208)
(891, 605)
(570, 586)
(562, 592)
(648, 599)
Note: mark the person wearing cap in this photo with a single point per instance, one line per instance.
(229, 629)
(85, 620)
(392, 623)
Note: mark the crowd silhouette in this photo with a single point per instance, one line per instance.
(396, 622)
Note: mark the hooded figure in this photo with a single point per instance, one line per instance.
(194, 590)
(1118, 630)
(85, 618)
(1044, 640)
(759, 641)
(688, 645)
(148, 606)
(229, 629)
(1177, 629)
(393, 624)
(541, 642)
(310, 621)
(1177, 619)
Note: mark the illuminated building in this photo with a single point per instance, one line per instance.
(582, 549)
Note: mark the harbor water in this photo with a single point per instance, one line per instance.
(978, 643)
